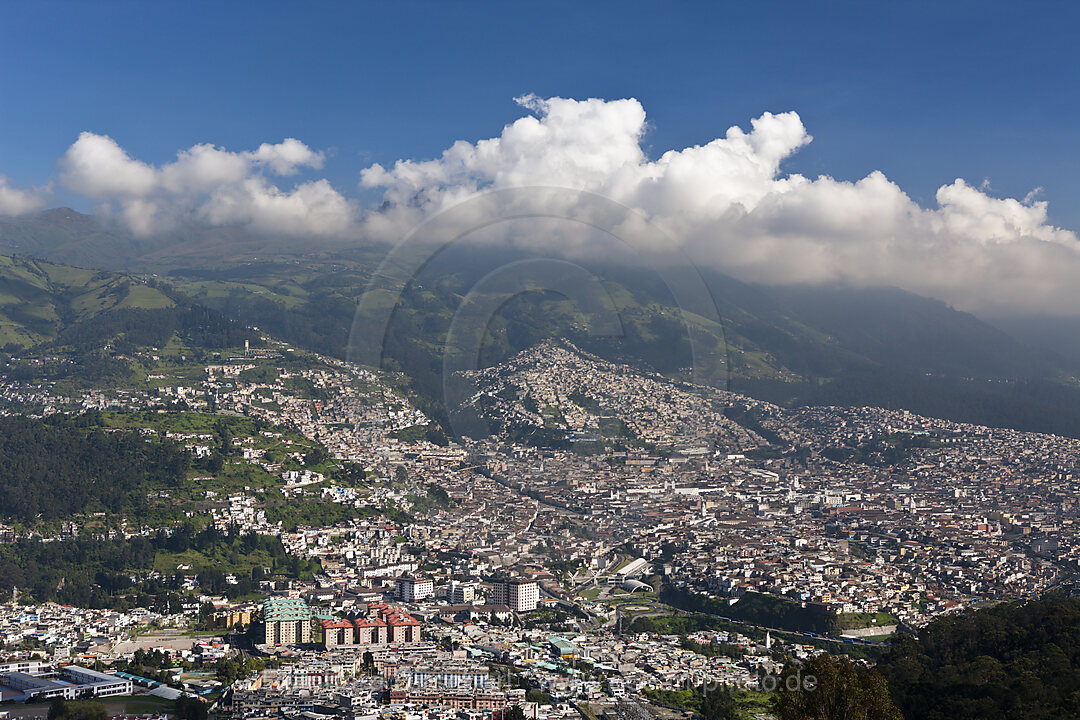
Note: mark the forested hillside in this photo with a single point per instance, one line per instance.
(60, 466)
(1018, 660)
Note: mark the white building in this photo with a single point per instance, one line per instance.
(519, 594)
(461, 593)
(413, 589)
(71, 682)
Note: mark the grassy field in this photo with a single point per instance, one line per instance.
(879, 638)
(230, 562)
(850, 621)
(592, 593)
(748, 703)
(752, 704)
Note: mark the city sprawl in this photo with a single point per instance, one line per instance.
(617, 535)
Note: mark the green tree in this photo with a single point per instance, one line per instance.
(315, 456)
(827, 687)
(189, 708)
(228, 669)
(538, 696)
(718, 703)
(215, 463)
(206, 615)
(77, 710)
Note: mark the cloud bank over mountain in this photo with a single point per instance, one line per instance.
(728, 204)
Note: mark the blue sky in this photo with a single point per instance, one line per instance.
(926, 92)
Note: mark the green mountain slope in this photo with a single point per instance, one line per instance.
(874, 346)
(830, 345)
(39, 299)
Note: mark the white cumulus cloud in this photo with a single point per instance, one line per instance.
(729, 204)
(17, 201)
(209, 185)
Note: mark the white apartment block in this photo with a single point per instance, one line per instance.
(518, 594)
(413, 589)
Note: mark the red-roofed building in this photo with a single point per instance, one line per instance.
(369, 631)
(337, 632)
(381, 625)
(402, 627)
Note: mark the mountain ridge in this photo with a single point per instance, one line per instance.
(792, 345)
